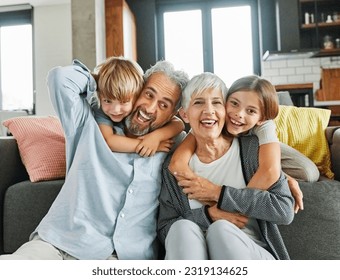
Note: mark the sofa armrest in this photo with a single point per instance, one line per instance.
(333, 137)
(12, 171)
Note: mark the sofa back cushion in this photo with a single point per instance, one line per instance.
(303, 128)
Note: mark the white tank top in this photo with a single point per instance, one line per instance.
(226, 170)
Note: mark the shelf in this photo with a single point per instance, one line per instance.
(329, 52)
(314, 35)
(298, 92)
(318, 1)
(294, 54)
(320, 24)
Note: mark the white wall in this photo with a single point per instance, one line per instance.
(52, 47)
(100, 31)
(298, 71)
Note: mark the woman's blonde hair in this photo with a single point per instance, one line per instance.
(118, 78)
(265, 91)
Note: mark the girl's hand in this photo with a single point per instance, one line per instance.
(296, 193)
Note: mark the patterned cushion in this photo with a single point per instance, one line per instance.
(303, 128)
(41, 144)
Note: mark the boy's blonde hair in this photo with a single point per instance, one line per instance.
(265, 91)
(118, 78)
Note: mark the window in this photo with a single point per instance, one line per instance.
(183, 39)
(214, 36)
(16, 59)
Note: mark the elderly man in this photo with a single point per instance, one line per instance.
(108, 204)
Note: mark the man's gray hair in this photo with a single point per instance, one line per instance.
(200, 83)
(179, 77)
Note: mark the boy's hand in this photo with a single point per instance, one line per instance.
(149, 146)
(165, 146)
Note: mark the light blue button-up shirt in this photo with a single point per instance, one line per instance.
(109, 200)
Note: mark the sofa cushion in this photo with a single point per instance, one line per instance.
(314, 233)
(284, 98)
(25, 204)
(304, 129)
(41, 145)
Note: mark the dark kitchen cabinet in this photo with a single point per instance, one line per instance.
(280, 29)
(300, 28)
(319, 24)
(288, 36)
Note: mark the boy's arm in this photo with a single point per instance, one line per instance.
(118, 143)
(181, 157)
(151, 142)
(170, 130)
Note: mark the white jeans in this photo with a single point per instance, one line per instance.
(222, 241)
(38, 249)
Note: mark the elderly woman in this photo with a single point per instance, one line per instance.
(220, 218)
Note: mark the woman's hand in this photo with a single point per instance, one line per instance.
(196, 187)
(237, 219)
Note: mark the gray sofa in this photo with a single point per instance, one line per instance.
(314, 233)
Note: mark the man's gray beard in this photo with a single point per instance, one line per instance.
(134, 129)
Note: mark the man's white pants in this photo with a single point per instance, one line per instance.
(38, 249)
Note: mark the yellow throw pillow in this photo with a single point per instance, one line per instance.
(303, 128)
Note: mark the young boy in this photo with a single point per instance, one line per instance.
(119, 82)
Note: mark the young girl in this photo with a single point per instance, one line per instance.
(119, 82)
(244, 116)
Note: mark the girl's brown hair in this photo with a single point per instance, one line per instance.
(118, 78)
(265, 91)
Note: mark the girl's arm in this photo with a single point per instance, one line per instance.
(170, 130)
(151, 142)
(274, 205)
(181, 157)
(269, 166)
(269, 157)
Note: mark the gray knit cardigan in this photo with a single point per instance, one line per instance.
(271, 207)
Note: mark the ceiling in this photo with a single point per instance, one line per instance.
(33, 2)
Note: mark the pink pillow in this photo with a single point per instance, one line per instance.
(41, 144)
